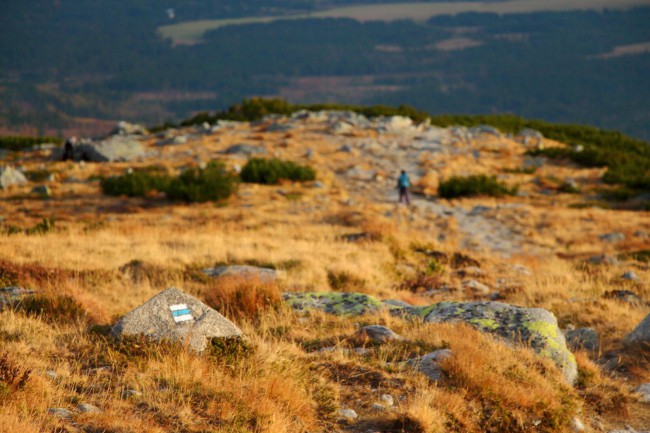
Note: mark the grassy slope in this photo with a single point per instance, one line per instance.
(280, 385)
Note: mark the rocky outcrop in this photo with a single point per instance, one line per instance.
(640, 335)
(340, 304)
(175, 316)
(10, 176)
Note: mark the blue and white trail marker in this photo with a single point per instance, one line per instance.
(181, 313)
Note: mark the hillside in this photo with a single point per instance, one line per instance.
(74, 67)
(476, 282)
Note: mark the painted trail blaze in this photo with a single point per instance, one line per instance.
(181, 313)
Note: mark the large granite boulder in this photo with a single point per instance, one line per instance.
(113, 148)
(10, 176)
(175, 316)
(534, 327)
(246, 149)
(639, 335)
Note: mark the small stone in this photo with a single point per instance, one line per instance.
(631, 276)
(578, 425)
(377, 406)
(378, 334)
(387, 400)
(583, 338)
(88, 408)
(612, 237)
(470, 271)
(644, 390)
(476, 286)
(60, 412)
(429, 364)
(131, 393)
(348, 414)
(604, 259)
(51, 374)
(42, 190)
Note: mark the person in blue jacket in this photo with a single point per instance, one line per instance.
(403, 184)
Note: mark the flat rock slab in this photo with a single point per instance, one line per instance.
(175, 316)
(340, 304)
(264, 274)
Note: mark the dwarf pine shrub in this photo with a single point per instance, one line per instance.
(459, 186)
(270, 171)
(135, 184)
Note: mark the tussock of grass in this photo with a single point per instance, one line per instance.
(242, 296)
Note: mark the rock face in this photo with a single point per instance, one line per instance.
(10, 176)
(640, 334)
(534, 326)
(175, 316)
(245, 271)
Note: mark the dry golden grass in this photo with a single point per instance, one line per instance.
(108, 255)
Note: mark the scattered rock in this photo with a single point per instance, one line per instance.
(10, 176)
(115, 148)
(175, 316)
(604, 259)
(346, 148)
(244, 271)
(429, 364)
(348, 414)
(476, 286)
(640, 334)
(246, 149)
(523, 270)
(623, 296)
(631, 276)
(12, 294)
(340, 128)
(530, 133)
(578, 425)
(51, 374)
(377, 406)
(583, 338)
(337, 303)
(42, 190)
(88, 408)
(397, 303)
(60, 412)
(387, 400)
(536, 326)
(126, 128)
(612, 237)
(644, 390)
(470, 271)
(131, 393)
(378, 334)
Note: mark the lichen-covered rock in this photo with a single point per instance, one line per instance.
(640, 334)
(245, 271)
(10, 176)
(112, 149)
(535, 327)
(11, 295)
(175, 316)
(340, 304)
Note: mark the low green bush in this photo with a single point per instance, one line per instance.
(270, 171)
(135, 184)
(17, 142)
(459, 186)
(211, 183)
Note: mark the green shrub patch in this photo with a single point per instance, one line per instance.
(270, 171)
(459, 186)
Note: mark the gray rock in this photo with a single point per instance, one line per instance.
(346, 148)
(612, 237)
(387, 400)
(476, 286)
(624, 296)
(279, 127)
(246, 149)
(60, 412)
(115, 148)
(377, 406)
(359, 173)
(535, 326)
(644, 390)
(379, 334)
(604, 259)
(337, 303)
(10, 176)
(12, 294)
(397, 303)
(180, 139)
(640, 334)
(341, 127)
(245, 271)
(530, 133)
(126, 128)
(583, 338)
(42, 190)
(429, 364)
(51, 374)
(175, 316)
(348, 414)
(578, 425)
(630, 275)
(131, 393)
(470, 271)
(88, 408)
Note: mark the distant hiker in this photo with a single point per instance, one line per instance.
(403, 184)
(68, 150)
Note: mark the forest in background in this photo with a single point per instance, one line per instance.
(99, 60)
